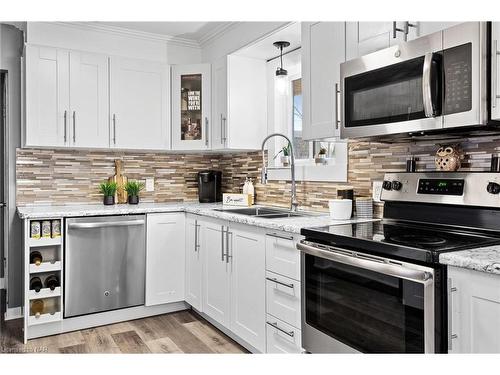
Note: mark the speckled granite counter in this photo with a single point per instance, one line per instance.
(292, 225)
(485, 259)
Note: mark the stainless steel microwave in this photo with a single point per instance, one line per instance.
(434, 83)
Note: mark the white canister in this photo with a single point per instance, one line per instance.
(340, 209)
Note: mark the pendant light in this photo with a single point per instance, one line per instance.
(281, 81)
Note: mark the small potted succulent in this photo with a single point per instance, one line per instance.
(285, 158)
(321, 157)
(108, 189)
(133, 188)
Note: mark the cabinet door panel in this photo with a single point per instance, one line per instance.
(215, 273)
(191, 105)
(89, 97)
(323, 52)
(248, 289)
(194, 262)
(220, 97)
(139, 104)
(47, 96)
(165, 258)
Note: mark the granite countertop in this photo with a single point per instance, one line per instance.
(292, 225)
(484, 259)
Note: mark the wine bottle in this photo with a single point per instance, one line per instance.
(36, 284)
(36, 258)
(52, 282)
(37, 307)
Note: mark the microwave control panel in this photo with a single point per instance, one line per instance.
(457, 70)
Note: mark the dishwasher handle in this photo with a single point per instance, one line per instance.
(106, 224)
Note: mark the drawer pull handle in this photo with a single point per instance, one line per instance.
(275, 280)
(280, 236)
(275, 325)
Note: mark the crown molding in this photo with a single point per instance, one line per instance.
(216, 33)
(121, 31)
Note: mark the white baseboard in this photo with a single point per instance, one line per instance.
(14, 313)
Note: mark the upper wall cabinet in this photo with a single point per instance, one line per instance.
(239, 118)
(66, 98)
(191, 104)
(323, 50)
(139, 111)
(495, 71)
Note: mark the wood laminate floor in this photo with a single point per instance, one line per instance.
(179, 332)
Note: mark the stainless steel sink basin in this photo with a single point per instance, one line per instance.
(265, 212)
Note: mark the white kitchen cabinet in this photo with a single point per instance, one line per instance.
(474, 324)
(165, 258)
(323, 50)
(139, 104)
(282, 338)
(216, 275)
(88, 118)
(239, 109)
(191, 106)
(495, 71)
(194, 262)
(428, 27)
(47, 96)
(248, 288)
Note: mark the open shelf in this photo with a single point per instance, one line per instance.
(44, 241)
(44, 318)
(44, 293)
(46, 267)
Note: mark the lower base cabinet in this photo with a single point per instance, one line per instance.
(474, 311)
(194, 262)
(282, 337)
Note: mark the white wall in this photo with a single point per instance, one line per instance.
(238, 36)
(90, 39)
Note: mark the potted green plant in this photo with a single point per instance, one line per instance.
(133, 188)
(285, 158)
(321, 157)
(108, 189)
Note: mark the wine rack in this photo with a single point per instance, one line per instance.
(48, 303)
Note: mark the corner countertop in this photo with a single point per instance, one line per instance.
(292, 225)
(484, 259)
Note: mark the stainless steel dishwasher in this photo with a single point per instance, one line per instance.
(105, 264)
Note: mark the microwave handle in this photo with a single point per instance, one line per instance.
(426, 86)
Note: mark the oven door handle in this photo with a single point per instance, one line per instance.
(426, 86)
(368, 262)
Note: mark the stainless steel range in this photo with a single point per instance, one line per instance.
(378, 287)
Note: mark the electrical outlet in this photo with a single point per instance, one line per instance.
(150, 184)
(377, 190)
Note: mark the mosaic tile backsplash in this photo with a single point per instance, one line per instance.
(72, 176)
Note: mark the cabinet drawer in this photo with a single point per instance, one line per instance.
(282, 337)
(283, 298)
(282, 256)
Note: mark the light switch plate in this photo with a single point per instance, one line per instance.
(150, 184)
(377, 190)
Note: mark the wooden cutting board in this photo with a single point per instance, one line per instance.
(121, 180)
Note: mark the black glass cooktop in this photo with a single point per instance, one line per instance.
(400, 239)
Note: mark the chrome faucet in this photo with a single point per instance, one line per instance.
(294, 203)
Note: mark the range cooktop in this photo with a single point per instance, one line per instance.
(400, 239)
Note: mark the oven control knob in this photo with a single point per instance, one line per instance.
(396, 185)
(493, 188)
(387, 185)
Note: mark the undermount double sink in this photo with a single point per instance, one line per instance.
(265, 212)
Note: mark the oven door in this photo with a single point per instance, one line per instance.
(353, 302)
(395, 90)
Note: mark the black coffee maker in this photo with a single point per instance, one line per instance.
(209, 186)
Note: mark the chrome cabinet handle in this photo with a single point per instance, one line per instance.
(74, 126)
(106, 224)
(494, 73)
(196, 245)
(283, 237)
(275, 280)
(222, 230)
(228, 233)
(426, 86)
(206, 131)
(405, 30)
(337, 106)
(275, 325)
(114, 128)
(451, 336)
(65, 126)
(221, 130)
(224, 126)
